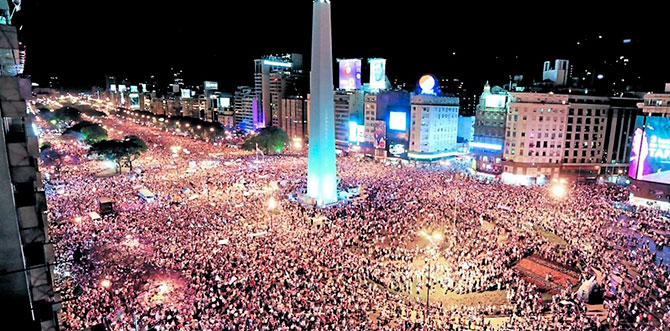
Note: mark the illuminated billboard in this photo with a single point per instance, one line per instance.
(356, 132)
(211, 85)
(380, 134)
(398, 121)
(134, 89)
(428, 85)
(134, 101)
(122, 88)
(377, 74)
(224, 102)
(350, 74)
(185, 93)
(495, 101)
(112, 87)
(650, 152)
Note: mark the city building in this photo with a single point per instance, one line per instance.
(294, 118)
(650, 152)
(556, 74)
(584, 136)
(489, 130)
(376, 132)
(274, 76)
(348, 109)
(29, 301)
(244, 107)
(618, 139)
(434, 126)
(534, 136)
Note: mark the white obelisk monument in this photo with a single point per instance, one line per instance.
(321, 169)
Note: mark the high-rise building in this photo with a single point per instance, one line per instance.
(434, 125)
(294, 117)
(348, 108)
(585, 135)
(535, 136)
(321, 169)
(26, 267)
(275, 76)
(556, 74)
(619, 129)
(244, 106)
(489, 135)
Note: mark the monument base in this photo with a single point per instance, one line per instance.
(343, 197)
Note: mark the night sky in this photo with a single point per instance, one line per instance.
(82, 41)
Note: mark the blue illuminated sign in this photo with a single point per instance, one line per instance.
(486, 146)
(278, 64)
(398, 121)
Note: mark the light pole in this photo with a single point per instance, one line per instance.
(434, 240)
(272, 204)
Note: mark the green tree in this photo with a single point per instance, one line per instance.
(270, 140)
(90, 132)
(122, 152)
(135, 147)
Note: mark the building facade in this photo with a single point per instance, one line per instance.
(274, 76)
(294, 118)
(534, 135)
(434, 124)
(243, 101)
(27, 263)
(489, 136)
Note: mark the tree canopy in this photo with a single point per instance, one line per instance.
(90, 132)
(270, 140)
(122, 152)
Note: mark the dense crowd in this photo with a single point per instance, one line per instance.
(209, 254)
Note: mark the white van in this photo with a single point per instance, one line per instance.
(146, 195)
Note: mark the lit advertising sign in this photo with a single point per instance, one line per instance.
(134, 89)
(428, 84)
(144, 88)
(380, 134)
(278, 64)
(122, 88)
(224, 102)
(185, 93)
(360, 133)
(397, 149)
(495, 101)
(377, 74)
(650, 152)
(350, 74)
(353, 131)
(134, 101)
(356, 132)
(112, 87)
(398, 121)
(211, 85)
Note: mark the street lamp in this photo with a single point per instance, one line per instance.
(558, 191)
(435, 238)
(272, 204)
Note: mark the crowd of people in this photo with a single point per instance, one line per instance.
(211, 254)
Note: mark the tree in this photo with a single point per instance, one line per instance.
(90, 132)
(270, 140)
(52, 157)
(122, 152)
(136, 147)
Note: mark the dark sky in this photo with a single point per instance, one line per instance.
(82, 41)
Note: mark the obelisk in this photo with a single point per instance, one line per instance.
(321, 168)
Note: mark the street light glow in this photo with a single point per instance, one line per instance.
(558, 191)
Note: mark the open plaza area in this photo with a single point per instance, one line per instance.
(218, 245)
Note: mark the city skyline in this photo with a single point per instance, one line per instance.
(221, 46)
